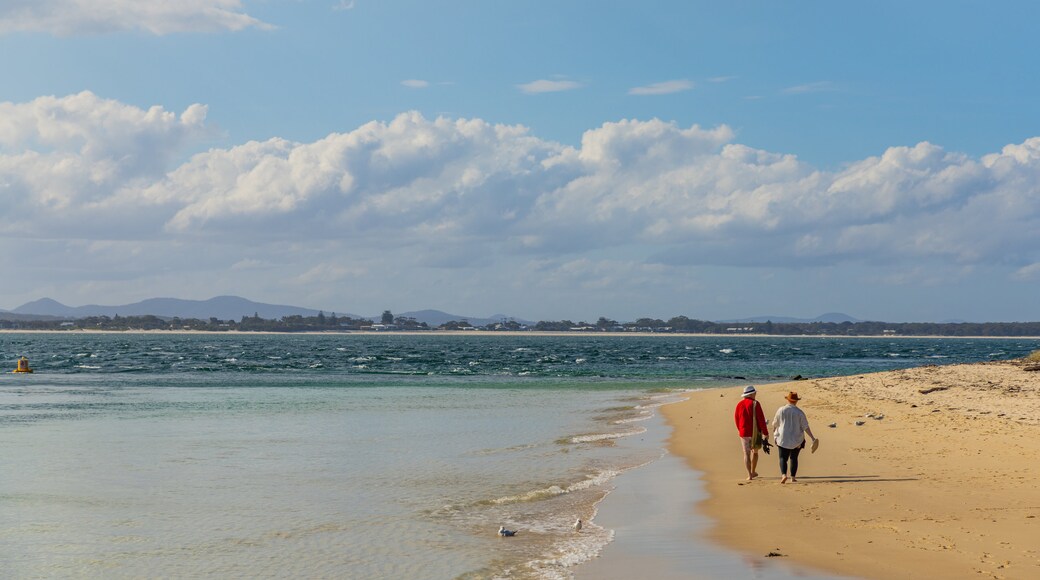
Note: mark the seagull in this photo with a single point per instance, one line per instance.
(502, 531)
(880, 417)
(832, 425)
(858, 423)
(577, 525)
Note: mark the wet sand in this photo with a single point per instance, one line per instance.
(659, 534)
(943, 486)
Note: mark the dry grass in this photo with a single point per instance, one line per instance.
(1033, 356)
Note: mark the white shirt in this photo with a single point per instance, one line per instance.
(789, 426)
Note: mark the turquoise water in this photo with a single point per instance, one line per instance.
(361, 456)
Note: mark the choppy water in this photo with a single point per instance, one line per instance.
(353, 455)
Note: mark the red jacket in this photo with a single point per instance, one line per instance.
(742, 416)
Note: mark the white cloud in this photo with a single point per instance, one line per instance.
(415, 83)
(814, 87)
(71, 160)
(663, 88)
(160, 17)
(248, 264)
(1028, 272)
(548, 86)
(452, 193)
(344, 5)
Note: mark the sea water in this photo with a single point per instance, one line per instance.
(355, 456)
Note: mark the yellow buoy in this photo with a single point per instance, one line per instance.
(23, 366)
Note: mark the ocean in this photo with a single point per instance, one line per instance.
(356, 456)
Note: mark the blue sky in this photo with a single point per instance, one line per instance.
(544, 159)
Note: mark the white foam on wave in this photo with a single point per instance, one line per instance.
(645, 416)
(87, 367)
(574, 549)
(606, 436)
(599, 478)
(726, 350)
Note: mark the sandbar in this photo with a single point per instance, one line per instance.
(944, 485)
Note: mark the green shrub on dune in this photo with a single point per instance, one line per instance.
(1033, 356)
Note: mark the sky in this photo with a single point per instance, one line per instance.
(544, 159)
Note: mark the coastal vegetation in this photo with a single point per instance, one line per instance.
(389, 322)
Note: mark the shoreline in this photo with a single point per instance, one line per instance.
(511, 333)
(942, 486)
(657, 531)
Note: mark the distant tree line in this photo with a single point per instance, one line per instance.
(295, 323)
(678, 324)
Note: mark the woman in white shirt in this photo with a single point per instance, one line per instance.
(790, 426)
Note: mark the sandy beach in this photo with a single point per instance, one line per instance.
(943, 486)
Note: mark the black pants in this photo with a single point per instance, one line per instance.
(791, 454)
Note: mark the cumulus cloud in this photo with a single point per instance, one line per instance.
(451, 193)
(160, 17)
(73, 158)
(548, 86)
(662, 88)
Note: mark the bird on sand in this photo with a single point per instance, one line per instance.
(502, 531)
(577, 525)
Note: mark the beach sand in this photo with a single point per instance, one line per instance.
(944, 486)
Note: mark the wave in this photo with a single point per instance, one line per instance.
(642, 417)
(595, 479)
(605, 436)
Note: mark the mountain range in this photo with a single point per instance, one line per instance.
(235, 307)
(222, 307)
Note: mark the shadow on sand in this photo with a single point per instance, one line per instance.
(851, 479)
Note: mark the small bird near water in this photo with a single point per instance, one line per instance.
(502, 531)
(577, 525)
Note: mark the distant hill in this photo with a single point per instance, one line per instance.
(835, 317)
(222, 307)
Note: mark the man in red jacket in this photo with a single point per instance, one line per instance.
(750, 419)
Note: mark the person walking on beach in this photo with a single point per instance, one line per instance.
(751, 425)
(791, 425)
